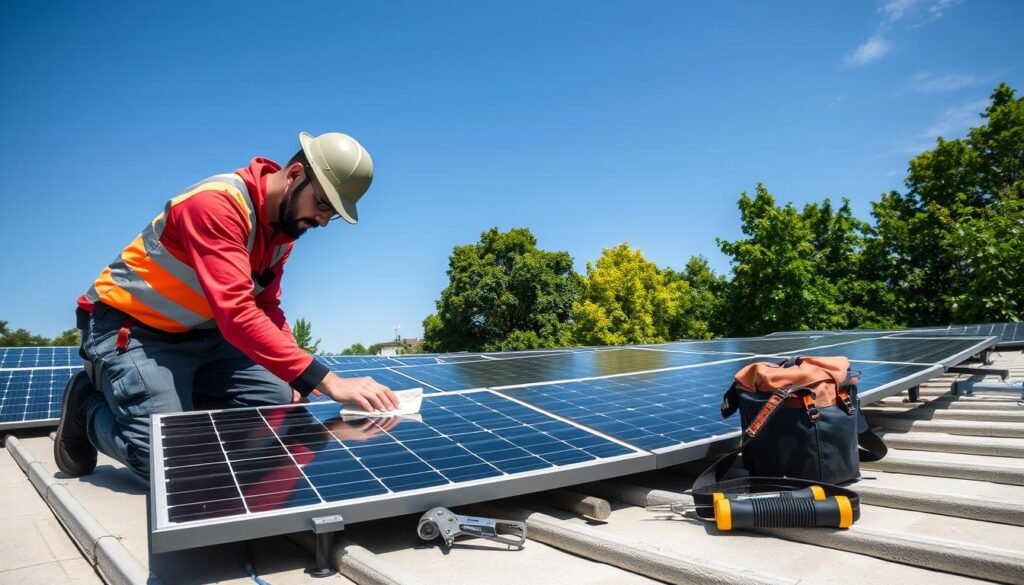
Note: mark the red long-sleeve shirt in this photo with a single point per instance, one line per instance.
(209, 233)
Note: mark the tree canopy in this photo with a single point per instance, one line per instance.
(627, 299)
(950, 248)
(504, 293)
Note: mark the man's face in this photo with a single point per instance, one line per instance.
(304, 206)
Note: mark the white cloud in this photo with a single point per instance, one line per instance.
(894, 10)
(939, 6)
(928, 83)
(955, 121)
(870, 50)
(952, 123)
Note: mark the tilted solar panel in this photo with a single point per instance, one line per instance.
(944, 350)
(675, 413)
(31, 397)
(228, 475)
(38, 357)
(549, 368)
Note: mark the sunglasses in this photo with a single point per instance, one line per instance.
(322, 203)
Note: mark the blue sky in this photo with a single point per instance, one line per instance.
(590, 123)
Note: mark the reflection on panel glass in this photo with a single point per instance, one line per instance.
(28, 395)
(254, 460)
(564, 366)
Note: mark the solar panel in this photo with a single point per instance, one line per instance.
(761, 345)
(38, 357)
(32, 397)
(945, 350)
(390, 378)
(675, 413)
(564, 366)
(1011, 335)
(240, 474)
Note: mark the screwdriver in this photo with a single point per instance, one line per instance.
(786, 509)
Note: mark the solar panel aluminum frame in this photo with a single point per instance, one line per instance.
(167, 537)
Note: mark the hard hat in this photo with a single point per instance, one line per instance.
(342, 167)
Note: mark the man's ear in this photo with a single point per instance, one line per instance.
(293, 171)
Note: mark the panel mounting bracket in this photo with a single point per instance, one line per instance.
(324, 528)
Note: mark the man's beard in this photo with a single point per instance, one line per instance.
(287, 222)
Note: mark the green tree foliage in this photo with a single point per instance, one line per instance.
(779, 279)
(950, 249)
(703, 317)
(356, 349)
(303, 333)
(69, 337)
(20, 337)
(627, 299)
(503, 294)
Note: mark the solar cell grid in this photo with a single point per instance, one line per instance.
(38, 357)
(32, 395)
(670, 409)
(255, 460)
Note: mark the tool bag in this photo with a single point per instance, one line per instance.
(802, 426)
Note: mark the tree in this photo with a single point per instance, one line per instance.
(303, 333)
(778, 282)
(627, 299)
(703, 318)
(950, 247)
(356, 349)
(503, 293)
(20, 338)
(70, 337)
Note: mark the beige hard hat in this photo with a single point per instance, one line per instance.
(342, 167)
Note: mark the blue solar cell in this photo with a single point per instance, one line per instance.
(33, 394)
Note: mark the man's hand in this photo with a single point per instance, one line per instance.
(298, 398)
(364, 393)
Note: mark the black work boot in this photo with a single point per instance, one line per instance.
(74, 453)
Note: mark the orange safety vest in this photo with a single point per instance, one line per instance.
(150, 284)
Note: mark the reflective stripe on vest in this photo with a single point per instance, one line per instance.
(150, 284)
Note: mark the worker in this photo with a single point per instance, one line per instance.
(188, 316)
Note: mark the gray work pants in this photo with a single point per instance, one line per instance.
(160, 373)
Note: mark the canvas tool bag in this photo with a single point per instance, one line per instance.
(801, 425)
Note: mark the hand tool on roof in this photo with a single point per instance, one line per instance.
(441, 522)
(803, 508)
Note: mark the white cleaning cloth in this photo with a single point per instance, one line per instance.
(408, 404)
